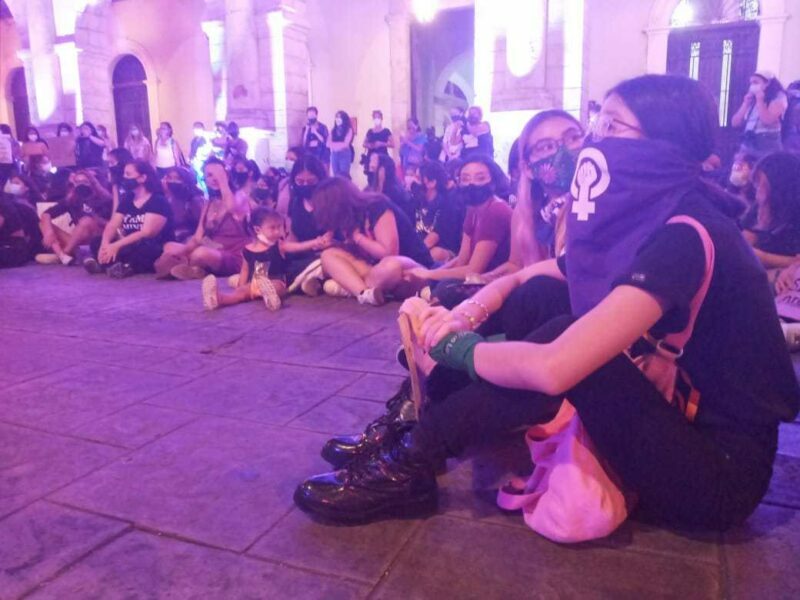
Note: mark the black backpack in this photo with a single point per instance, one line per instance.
(790, 129)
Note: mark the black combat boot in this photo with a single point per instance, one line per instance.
(341, 450)
(395, 481)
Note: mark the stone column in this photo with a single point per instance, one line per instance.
(44, 72)
(242, 59)
(92, 56)
(215, 32)
(399, 22)
(770, 43)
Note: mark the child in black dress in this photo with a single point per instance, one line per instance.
(264, 268)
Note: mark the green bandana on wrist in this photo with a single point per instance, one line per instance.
(457, 351)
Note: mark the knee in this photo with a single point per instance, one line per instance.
(200, 257)
(331, 255)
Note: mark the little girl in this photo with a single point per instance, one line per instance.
(264, 269)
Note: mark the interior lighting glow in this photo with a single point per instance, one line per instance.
(425, 10)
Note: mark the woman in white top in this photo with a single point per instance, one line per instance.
(168, 153)
(761, 114)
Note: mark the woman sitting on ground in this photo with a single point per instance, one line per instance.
(293, 154)
(185, 199)
(135, 235)
(484, 241)
(368, 228)
(775, 234)
(88, 206)
(265, 192)
(19, 238)
(244, 177)
(216, 246)
(631, 274)
(383, 180)
(21, 188)
(305, 240)
(440, 213)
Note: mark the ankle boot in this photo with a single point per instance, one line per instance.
(397, 481)
(341, 450)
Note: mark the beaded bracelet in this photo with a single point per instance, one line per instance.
(480, 305)
(473, 322)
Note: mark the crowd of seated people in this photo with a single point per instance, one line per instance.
(475, 257)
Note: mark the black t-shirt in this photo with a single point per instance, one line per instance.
(304, 227)
(410, 244)
(87, 153)
(133, 216)
(737, 357)
(445, 217)
(381, 136)
(783, 240)
(274, 263)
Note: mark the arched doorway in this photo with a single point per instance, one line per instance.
(716, 42)
(18, 94)
(131, 106)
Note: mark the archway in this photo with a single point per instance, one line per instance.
(131, 105)
(18, 95)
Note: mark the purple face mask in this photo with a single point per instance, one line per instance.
(622, 192)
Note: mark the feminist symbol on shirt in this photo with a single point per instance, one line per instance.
(591, 180)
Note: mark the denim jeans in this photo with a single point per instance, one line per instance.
(340, 163)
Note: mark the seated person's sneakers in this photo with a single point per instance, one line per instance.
(119, 270)
(311, 286)
(342, 450)
(268, 292)
(210, 297)
(332, 288)
(372, 297)
(395, 481)
(92, 266)
(791, 332)
(67, 260)
(309, 280)
(186, 272)
(47, 259)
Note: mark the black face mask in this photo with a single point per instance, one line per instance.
(116, 173)
(240, 178)
(417, 191)
(214, 194)
(312, 120)
(304, 192)
(475, 195)
(128, 183)
(83, 191)
(176, 189)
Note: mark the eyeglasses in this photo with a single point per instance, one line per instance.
(547, 146)
(607, 126)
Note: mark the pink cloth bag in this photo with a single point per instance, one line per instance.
(572, 496)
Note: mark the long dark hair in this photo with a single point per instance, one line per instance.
(500, 182)
(782, 170)
(340, 206)
(390, 182)
(675, 109)
(152, 183)
(773, 89)
(34, 195)
(91, 126)
(346, 124)
(310, 163)
(434, 171)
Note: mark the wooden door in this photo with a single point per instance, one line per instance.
(722, 57)
(131, 104)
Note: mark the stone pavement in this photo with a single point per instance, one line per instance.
(150, 450)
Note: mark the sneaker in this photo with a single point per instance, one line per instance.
(791, 332)
(311, 286)
(233, 280)
(92, 266)
(119, 270)
(426, 293)
(371, 296)
(312, 271)
(210, 297)
(186, 272)
(67, 260)
(332, 288)
(268, 293)
(165, 263)
(47, 259)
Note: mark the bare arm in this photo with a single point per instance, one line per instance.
(386, 242)
(771, 114)
(774, 261)
(584, 347)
